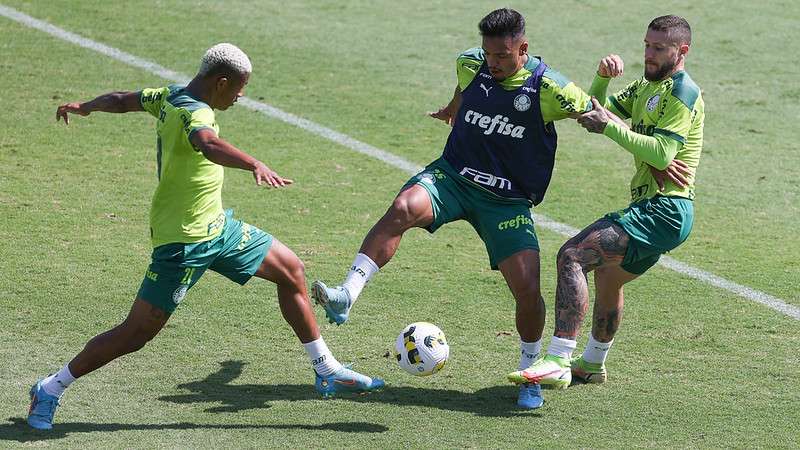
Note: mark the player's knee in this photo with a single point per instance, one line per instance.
(406, 210)
(138, 338)
(293, 273)
(563, 253)
(529, 295)
(568, 256)
(297, 273)
(401, 211)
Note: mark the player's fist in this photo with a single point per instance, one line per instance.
(610, 66)
(75, 108)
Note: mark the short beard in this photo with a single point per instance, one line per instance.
(661, 72)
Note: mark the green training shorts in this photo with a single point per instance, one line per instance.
(655, 225)
(236, 254)
(505, 225)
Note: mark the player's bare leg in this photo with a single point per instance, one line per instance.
(411, 208)
(143, 323)
(286, 270)
(606, 317)
(521, 272)
(601, 244)
(609, 301)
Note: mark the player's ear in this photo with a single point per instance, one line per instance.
(523, 48)
(683, 49)
(222, 83)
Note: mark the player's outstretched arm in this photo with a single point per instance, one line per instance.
(219, 151)
(448, 112)
(113, 102)
(657, 151)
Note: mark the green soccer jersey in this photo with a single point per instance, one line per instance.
(187, 204)
(558, 97)
(669, 111)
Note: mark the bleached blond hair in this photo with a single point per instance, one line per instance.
(225, 57)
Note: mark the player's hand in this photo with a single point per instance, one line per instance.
(610, 66)
(75, 108)
(676, 172)
(444, 114)
(266, 176)
(595, 120)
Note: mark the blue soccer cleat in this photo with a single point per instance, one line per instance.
(336, 301)
(43, 408)
(530, 396)
(346, 380)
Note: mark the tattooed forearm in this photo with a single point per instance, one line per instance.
(606, 324)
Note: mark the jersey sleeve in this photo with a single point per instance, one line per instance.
(675, 120)
(560, 97)
(151, 99)
(199, 119)
(467, 66)
(657, 150)
(621, 102)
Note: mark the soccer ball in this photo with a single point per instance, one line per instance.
(421, 349)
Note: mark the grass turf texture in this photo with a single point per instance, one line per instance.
(693, 366)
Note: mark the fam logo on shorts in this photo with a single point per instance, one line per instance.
(180, 293)
(652, 102)
(522, 102)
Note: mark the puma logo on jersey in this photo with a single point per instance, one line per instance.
(485, 89)
(498, 124)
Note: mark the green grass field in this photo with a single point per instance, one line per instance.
(692, 366)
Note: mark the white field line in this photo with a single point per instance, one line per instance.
(374, 152)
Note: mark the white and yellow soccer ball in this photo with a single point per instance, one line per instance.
(421, 349)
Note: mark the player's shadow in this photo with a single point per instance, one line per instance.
(496, 401)
(217, 388)
(18, 430)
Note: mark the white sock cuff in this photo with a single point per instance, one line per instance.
(595, 351)
(364, 260)
(600, 345)
(316, 347)
(561, 347)
(56, 383)
(531, 347)
(66, 375)
(322, 359)
(529, 352)
(362, 269)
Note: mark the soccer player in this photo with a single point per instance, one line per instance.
(666, 112)
(496, 164)
(191, 232)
